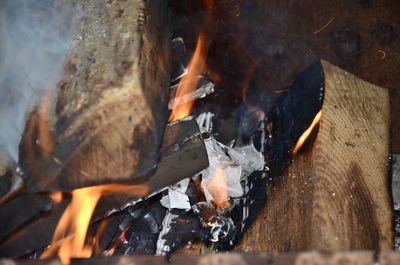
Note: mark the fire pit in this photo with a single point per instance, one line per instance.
(153, 128)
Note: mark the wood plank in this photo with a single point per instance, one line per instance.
(107, 123)
(334, 196)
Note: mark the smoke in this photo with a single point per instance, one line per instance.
(35, 37)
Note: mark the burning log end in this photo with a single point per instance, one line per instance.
(292, 114)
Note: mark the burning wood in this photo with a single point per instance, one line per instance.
(106, 175)
(189, 81)
(107, 121)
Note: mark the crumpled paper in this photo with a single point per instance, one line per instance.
(228, 166)
(221, 180)
(176, 197)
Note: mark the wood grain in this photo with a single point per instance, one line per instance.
(334, 196)
(110, 112)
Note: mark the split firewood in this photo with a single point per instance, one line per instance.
(35, 235)
(22, 209)
(184, 155)
(334, 196)
(111, 107)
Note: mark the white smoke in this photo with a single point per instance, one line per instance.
(35, 36)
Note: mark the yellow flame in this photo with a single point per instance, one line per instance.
(218, 189)
(69, 236)
(189, 82)
(307, 133)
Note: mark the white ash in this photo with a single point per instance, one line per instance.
(235, 164)
(220, 166)
(162, 247)
(204, 120)
(248, 157)
(176, 197)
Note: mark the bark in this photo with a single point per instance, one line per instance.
(109, 115)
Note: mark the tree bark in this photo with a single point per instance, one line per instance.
(111, 107)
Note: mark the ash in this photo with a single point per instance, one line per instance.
(191, 211)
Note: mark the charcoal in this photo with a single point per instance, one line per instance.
(220, 230)
(22, 209)
(249, 121)
(143, 231)
(115, 225)
(180, 228)
(292, 113)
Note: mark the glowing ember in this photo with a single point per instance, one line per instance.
(189, 82)
(70, 234)
(307, 133)
(56, 197)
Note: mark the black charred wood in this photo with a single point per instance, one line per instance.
(293, 113)
(22, 209)
(34, 236)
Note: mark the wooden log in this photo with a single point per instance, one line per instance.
(335, 195)
(184, 156)
(111, 107)
(22, 209)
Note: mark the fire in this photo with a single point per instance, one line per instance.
(189, 82)
(69, 238)
(307, 133)
(46, 142)
(56, 197)
(218, 189)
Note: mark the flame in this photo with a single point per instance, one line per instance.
(218, 189)
(189, 82)
(46, 142)
(307, 133)
(69, 236)
(56, 197)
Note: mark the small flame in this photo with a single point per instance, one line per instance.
(46, 142)
(69, 237)
(307, 133)
(56, 197)
(218, 189)
(189, 82)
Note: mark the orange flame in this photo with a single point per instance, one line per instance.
(69, 237)
(307, 133)
(46, 142)
(218, 189)
(189, 82)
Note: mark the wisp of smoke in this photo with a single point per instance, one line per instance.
(35, 37)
